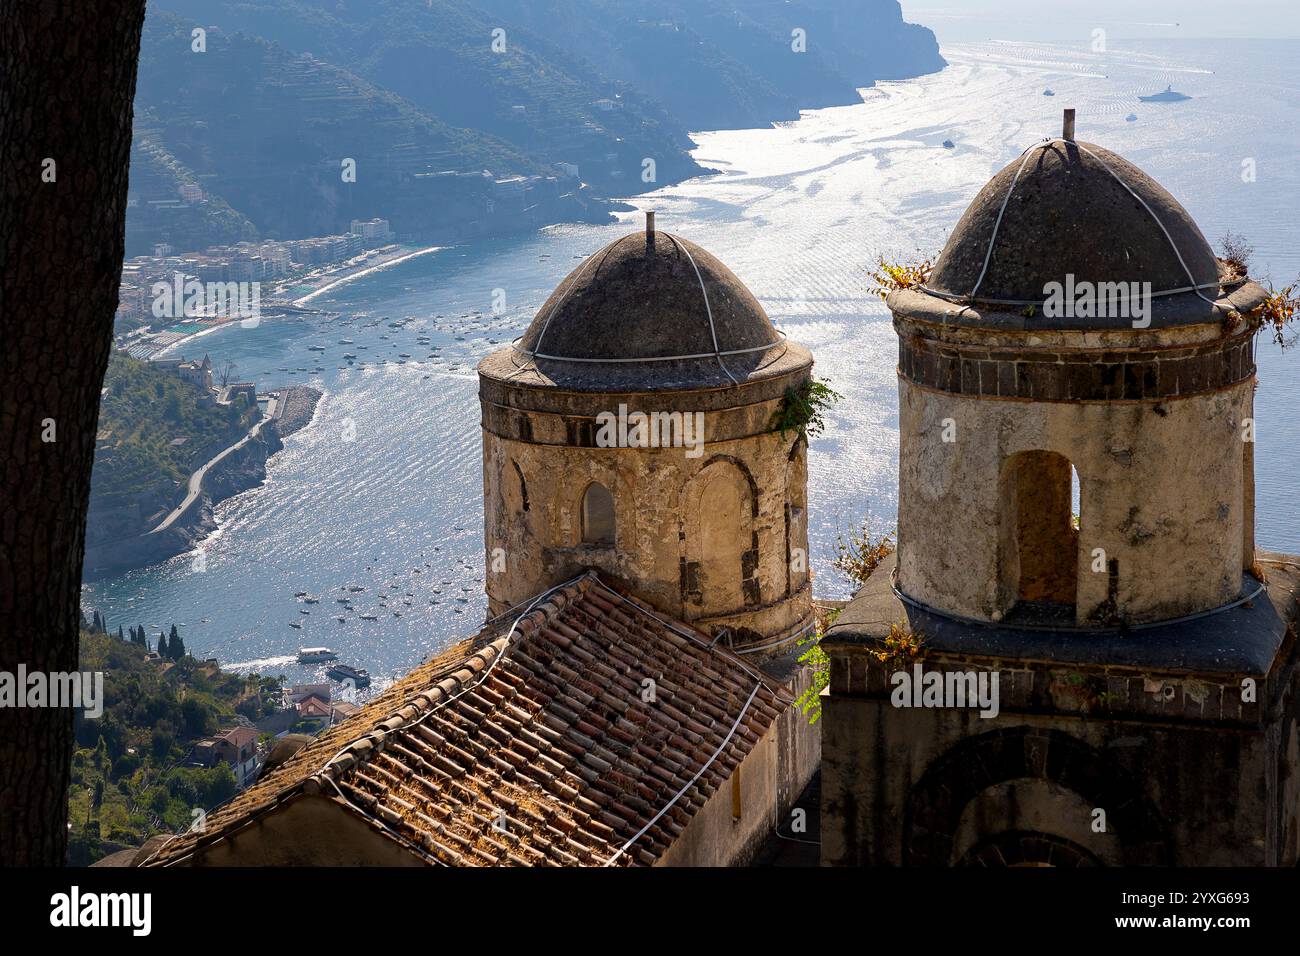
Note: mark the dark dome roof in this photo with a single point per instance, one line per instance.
(632, 304)
(1067, 213)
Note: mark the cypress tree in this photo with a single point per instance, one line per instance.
(162, 644)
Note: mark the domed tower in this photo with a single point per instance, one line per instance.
(1075, 394)
(1076, 656)
(629, 430)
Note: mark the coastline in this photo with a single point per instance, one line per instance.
(319, 282)
(240, 471)
(363, 269)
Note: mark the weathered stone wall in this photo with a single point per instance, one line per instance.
(1073, 374)
(707, 539)
(1154, 727)
(1189, 795)
(1163, 492)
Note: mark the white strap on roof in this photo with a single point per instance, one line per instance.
(717, 353)
(997, 224)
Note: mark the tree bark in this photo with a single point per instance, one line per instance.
(67, 82)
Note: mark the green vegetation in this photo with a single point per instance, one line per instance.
(858, 556)
(801, 408)
(143, 411)
(817, 660)
(128, 775)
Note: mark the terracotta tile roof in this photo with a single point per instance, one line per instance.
(530, 743)
(238, 736)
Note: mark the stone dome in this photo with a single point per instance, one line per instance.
(637, 301)
(1073, 208)
(661, 313)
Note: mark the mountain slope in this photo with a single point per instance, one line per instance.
(727, 67)
(439, 55)
(269, 131)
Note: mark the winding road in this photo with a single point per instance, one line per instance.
(196, 479)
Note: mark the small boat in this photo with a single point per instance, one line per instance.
(315, 348)
(310, 599)
(355, 588)
(295, 625)
(299, 594)
(1168, 95)
(345, 341)
(315, 655)
(345, 672)
(369, 617)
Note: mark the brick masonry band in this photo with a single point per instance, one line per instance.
(1076, 375)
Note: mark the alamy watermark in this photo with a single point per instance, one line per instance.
(57, 689)
(955, 689)
(651, 430)
(1086, 300)
(74, 908)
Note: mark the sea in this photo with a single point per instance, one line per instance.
(383, 490)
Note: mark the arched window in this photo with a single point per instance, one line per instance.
(1040, 534)
(598, 516)
(796, 517)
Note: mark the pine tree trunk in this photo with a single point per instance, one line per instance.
(67, 81)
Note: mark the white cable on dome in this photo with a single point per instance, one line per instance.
(1173, 245)
(988, 254)
(568, 288)
(707, 308)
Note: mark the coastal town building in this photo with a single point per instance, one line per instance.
(373, 232)
(1079, 656)
(236, 747)
(246, 261)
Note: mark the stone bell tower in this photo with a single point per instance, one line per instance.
(1075, 529)
(630, 430)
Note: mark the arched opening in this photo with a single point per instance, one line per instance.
(1019, 848)
(1024, 796)
(598, 516)
(1041, 522)
(796, 517)
(724, 540)
(719, 540)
